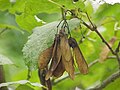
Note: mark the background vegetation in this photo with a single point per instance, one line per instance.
(18, 18)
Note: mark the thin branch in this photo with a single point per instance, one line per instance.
(107, 81)
(89, 19)
(77, 73)
(118, 47)
(56, 4)
(103, 40)
(94, 28)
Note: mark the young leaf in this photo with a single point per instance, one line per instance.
(105, 50)
(82, 65)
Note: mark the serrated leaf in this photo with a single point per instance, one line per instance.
(41, 39)
(5, 60)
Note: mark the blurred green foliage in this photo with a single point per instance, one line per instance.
(18, 18)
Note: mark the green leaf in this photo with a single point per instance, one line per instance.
(108, 10)
(88, 8)
(29, 8)
(5, 60)
(27, 22)
(34, 7)
(18, 7)
(4, 5)
(41, 39)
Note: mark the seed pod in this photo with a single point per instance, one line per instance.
(69, 67)
(56, 42)
(64, 46)
(105, 50)
(55, 59)
(45, 57)
(67, 58)
(60, 69)
(82, 65)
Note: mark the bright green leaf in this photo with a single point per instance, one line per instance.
(4, 5)
(18, 7)
(27, 22)
(88, 8)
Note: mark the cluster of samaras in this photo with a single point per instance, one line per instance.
(61, 55)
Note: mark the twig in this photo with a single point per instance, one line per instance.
(77, 73)
(107, 81)
(56, 4)
(117, 49)
(94, 28)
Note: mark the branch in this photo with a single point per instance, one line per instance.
(107, 81)
(94, 28)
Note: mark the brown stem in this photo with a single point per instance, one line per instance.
(94, 28)
(107, 81)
